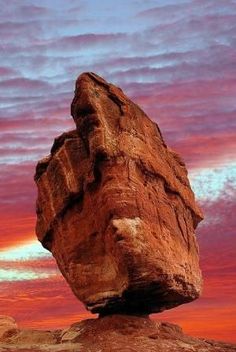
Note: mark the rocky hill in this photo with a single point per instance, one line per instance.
(113, 333)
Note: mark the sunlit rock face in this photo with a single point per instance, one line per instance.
(116, 209)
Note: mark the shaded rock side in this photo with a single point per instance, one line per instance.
(112, 333)
(116, 209)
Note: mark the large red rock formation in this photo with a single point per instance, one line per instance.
(116, 209)
(114, 333)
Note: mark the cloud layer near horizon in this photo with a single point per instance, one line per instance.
(176, 59)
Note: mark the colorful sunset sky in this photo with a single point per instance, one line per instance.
(177, 60)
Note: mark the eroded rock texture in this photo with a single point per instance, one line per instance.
(115, 207)
(114, 333)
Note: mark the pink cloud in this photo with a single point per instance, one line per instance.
(24, 83)
(8, 71)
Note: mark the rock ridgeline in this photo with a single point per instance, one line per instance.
(112, 333)
(116, 210)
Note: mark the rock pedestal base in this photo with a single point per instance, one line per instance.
(113, 333)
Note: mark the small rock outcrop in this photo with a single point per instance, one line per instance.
(116, 209)
(8, 326)
(114, 333)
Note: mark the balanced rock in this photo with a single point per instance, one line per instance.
(116, 209)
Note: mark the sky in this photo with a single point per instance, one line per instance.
(177, 60)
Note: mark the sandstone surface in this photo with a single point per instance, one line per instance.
(7, 326)
(116, 209)
(114, 333)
